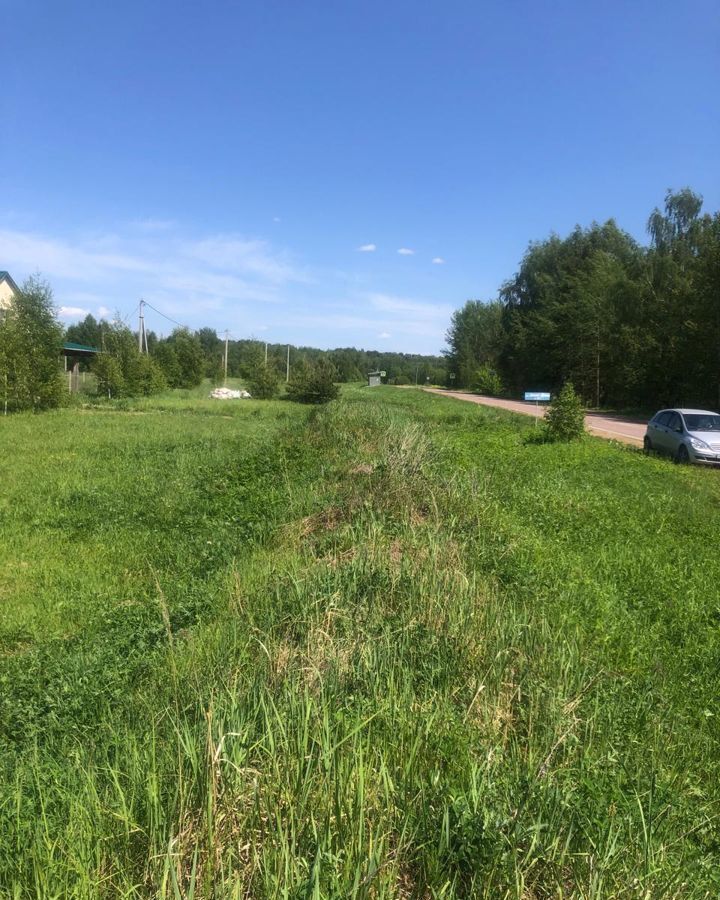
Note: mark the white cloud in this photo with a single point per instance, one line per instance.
(405, 251)
(407, 321)
(154, 224)
(420, 309)
(361, 328)
(277, 219)
(61, 259)
(236, 254)
(221, 279)
(178, 274)
(367, 248)
(208, 289)
(438, 260)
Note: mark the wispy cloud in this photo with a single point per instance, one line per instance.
(438, 260)
(420, 309)
(367, 248)
(151, 224)
(63, 259)
(184, 274)
(406, 251)
(408, 321)
(277, 219)
(234, 254)
(222, 279)
(406, 330)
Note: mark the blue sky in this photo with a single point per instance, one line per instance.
(225, 161)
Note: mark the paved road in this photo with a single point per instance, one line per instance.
(618, 428)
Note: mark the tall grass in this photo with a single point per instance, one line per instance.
(431, 659)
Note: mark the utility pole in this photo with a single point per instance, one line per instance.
(287, 373)
(225, 358)
(141, 328)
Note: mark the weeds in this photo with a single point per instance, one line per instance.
(420, 658)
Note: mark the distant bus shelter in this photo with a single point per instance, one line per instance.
(375, 378)
(72, 355)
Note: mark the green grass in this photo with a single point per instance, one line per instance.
(389, 648)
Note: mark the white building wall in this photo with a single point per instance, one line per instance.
(6, 295)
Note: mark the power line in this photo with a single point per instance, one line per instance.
(228, 334)
(174, 321)
(126, 319)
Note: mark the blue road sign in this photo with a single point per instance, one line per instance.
(537, 396)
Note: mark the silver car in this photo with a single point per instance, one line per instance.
(688, 435)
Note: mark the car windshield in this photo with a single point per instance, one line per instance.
(702, 422)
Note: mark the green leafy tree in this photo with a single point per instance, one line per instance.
(150, 378)
(475, 338)
(680, 323)
(121, 344)
(212, 348)
(487, 381)
(190, 358)
(30, 346)
(209, 341)
(166, 357)
(215, 370)
(264, 382)
(107, 370)
(313, 382)
(565, 417)
(569, 314)
(123, 371)
(88, 332)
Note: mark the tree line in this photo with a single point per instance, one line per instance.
(629, 325)
(185, 358)
(31, 341)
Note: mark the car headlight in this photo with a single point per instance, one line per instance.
(698, 444)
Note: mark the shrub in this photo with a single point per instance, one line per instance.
(313, 382)
(150, 376)
(487, 381)
(30, 343)
(166, 357)
(110, 382)
(565, 417)
(401, 379)
(215, 370)
(189, 356)
(122, 371)
(264, 382)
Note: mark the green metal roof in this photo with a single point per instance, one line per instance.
(79, 348)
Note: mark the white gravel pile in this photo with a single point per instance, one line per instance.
(227, 394)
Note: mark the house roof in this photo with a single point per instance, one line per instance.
(5, 276)
(71, 349)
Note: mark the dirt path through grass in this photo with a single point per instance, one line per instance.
(618, 428)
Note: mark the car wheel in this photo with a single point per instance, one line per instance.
(647, 445)
(683, 457)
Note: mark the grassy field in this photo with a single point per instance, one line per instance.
(388, 648)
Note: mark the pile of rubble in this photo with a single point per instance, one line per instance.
(227, 394)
